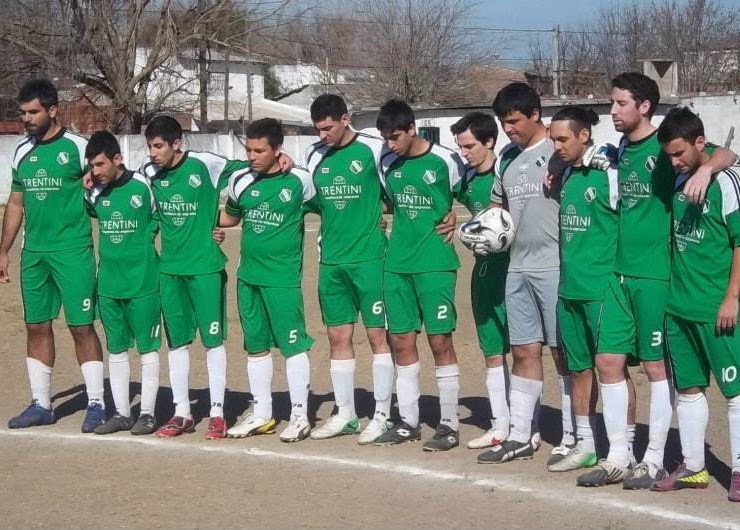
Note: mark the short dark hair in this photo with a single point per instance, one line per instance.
(579, 117)
(102, 142)
(41, 89)
(517, 97)
(269, 128)
(328, 106)
(680, 123)
(482, 126)
(641, 87)
(165, 127)
(395, 115)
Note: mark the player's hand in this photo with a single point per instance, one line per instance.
(601, 156)
(727, 315)
(4, 266)
(447, 226)
(285, 162)
(695, 188)
(219, 235)
(87, 180)
(475, 241)
(383, 223)
(548, 180)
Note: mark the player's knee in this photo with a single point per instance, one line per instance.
(655, 370)
(340, 337)
(39, 330)
(378, 339)
(82, 333)
(442, 347)
(610, 368)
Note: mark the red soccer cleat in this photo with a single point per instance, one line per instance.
(175, 427)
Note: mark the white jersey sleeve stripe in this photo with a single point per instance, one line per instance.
(729, 182)
(214, 163)
(613, 180)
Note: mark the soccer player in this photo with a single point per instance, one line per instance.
(270, 202)
(702, 304)
(128, 278)
(420, 272)
(476, 135)
(186, 187)
(57, 261)
(646, 181)
(534, 269)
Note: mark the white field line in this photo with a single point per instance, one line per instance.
(515, 485)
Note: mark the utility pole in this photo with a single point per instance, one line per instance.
(249, 78)
(202, 71)
(226, 94)
(556, 44)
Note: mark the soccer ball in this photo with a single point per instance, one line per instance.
(492, 230)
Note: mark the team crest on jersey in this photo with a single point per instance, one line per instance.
(63, 158)
(40, 173)
(105, 202)
(136, 201)
(340, 205)
(255, 193)
(397, 174)
(339, 181)
(589, 194)
(705, 208)
(541, 161)
(285, 195)
(631, 203)
(194, 180)
(624, 160)
(33, 159)
(632, 176)
(411, 190)
(430, 177)
(650, 163)
(355, 166)
(324, 170)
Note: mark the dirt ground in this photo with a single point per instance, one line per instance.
(55, 477)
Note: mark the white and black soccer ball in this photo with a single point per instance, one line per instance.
(492, 230)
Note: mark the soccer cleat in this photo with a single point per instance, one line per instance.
(643, 475)
(146, 424)
(336, 426)
(604, 473)
(490, 438)
(374, 430)
(115, 424)
(576, 458)
(175, 427)
(506, 451)
(32, 416)
(298, 429)
(559, 453)
(216, 428)
(251, 426)
(733, 493)
(682, 478)
(444, 439)
(398, 434)
(94, 418)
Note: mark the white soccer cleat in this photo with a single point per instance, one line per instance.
(250, 426)
(298, 429)
(336, 426)
(490, 438)
(374, 430)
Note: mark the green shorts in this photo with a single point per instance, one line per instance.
(50, 280)
(487, 290)
(349, 289)
(194, 302)
(589, 327)
(128, 319)
(646, 302)
(695, 349)
(272, 317)
(425, 297)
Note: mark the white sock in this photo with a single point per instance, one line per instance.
(693, 416)
(497, 392)
(119, 370)
(383, 371)
(631, 432)
(448, 384)
(614, 398)
(565, 383)
(93, 372)
(585, 433)
(179, 361)
(149, 381)
(216, 360)
(39, 377)
(259, 373)
(733, 416)
(298, 370)
(408, 392)
(525, 394)
(661, 412)
(343, 380)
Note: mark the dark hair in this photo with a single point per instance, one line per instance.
(269, 128)
(482, 126)
(395, 115)
(680, 123)
(579, 118)
(517, 97)
(165, 127)
(641, 87)
(102, 142)
(41, 89)
(328, 106)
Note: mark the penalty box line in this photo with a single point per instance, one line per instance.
(590, 497)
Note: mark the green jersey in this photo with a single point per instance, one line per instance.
(589, 222)
(348, 197)
(187, 200)
(127, 224)
(49, 174)
(421, 190)
(272, 209)
(704, 237)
